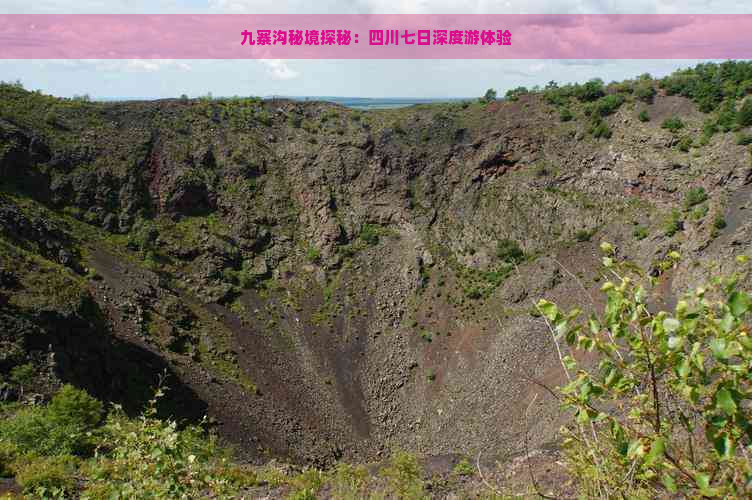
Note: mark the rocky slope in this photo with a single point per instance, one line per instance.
(329, 283)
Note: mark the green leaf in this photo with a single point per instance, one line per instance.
(669, 483)
(724, 446)
(738, 303)
(549, 310)
(724, 401)
(595, 327)
(657, 449)
(702, 480)
(636, 449)
(607, 248)
(683, 368)
(728, 322)
(718, 346)
(569, 362)
(675, 343)
(671, 324)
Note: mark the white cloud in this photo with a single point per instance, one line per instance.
(278, 69)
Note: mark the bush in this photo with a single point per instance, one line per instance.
(640, 233)
(673, 124)
(719, 222)
(565, 115)
(695, 196)
(509, 251)
(489, 96)
(405, 475)
(684, 144)
(608, 104)
(743, 139)
(59, 429)
(464, 468)
(663, 411)
(313, 254)
(71, 406)
(47, 477)
(643, 116)
(744, 117)
(514, 94)
(370, 234)
(584, 235)
(673, 224)
(8, 454)
(32, 430)
(599, 129)
(151, 458)
(22, 375)
(591, 91)
(644, 90)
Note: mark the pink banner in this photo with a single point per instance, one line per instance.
(334, 36)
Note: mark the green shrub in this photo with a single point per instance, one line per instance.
(599, 129)
(405, 476)
(514, 94)
(22, 375)
(349, 481)
(744, 116)
(684, 144)
(644, 90)
(61, 428)
(673, 224)
(47, 477)
(743, 139)
(464, 468)
(727, 116)
(33, 430)
(8, 454)
(673, 124)
(71, 406)
(295, 120)
(640, 233)
(695, 196)
(719, 222)
(565, 115)
(643, 116)
(509, 251)
(313, 254)
(609, 104)
(590, 91)
(699, 212)
(370, 234)
(307, 484)
(584, 235)
(151, 458)
(663, 411)
(264, 118)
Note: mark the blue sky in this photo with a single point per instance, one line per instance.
(363, 78)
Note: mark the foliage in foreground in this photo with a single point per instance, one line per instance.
(666, 411)
(65, 449)
(68, 448)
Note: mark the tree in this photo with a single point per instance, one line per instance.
(663, 411)
(644, 90)
(490, 95)
(22, 375)
(744, 116)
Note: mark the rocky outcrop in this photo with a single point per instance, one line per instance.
(325, 282)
